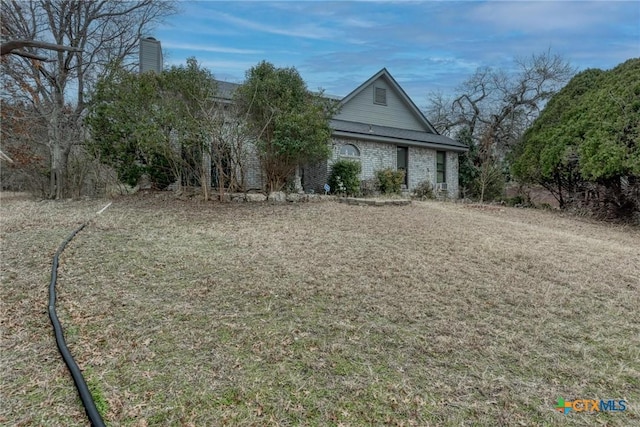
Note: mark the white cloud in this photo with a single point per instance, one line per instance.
(309, 30)
(200, 30)
(434, 44)
(541, 16)
(359, 23)
(236, 67)
(210, 48)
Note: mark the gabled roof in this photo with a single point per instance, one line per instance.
(429, 138)
(384, 73)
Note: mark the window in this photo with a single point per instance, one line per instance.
(349, 150)
(441, 166)
(402, 163)
(380, 96)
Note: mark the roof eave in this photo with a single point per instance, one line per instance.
(399, 141)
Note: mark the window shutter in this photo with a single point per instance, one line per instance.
(380, 96)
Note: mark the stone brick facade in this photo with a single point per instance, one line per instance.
(373, 156)
(376, 129)
(315, 176)
(376, 155)
(452, 175)
(254, 179)
(422, 166)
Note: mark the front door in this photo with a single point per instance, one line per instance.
(403, 163)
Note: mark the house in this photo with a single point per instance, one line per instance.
(379, 126)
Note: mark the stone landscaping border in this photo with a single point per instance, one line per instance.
(276, 197)
(374, 202)
(282, 197)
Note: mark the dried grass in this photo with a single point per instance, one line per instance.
(192, 313)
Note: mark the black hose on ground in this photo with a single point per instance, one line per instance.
(78, 379)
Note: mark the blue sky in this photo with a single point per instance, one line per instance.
(426, 46)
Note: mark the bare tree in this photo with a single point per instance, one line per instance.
(494, 108)
(96, 33)
(22, 133)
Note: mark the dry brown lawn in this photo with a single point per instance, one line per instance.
(204, 314)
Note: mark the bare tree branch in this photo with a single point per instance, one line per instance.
(496, 107)
(13, 46)
(86, 36)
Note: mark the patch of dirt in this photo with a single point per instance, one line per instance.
(539, 195)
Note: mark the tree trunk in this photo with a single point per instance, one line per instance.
(560, 198)
(220, 171)
(59, 155)
(205, 179)
(297, 180)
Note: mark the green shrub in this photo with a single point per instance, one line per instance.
(424, 191)
(390, 181)
(345, 177)
(159, 171)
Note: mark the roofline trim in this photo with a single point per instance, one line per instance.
(398, 141)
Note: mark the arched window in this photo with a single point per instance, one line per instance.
(349, 150)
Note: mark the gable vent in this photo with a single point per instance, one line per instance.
(380, 96)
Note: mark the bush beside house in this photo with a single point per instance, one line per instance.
(345, 178)
(390, 181)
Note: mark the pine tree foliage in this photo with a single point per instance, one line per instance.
(585, 145)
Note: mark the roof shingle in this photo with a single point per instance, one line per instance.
(396, 135)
